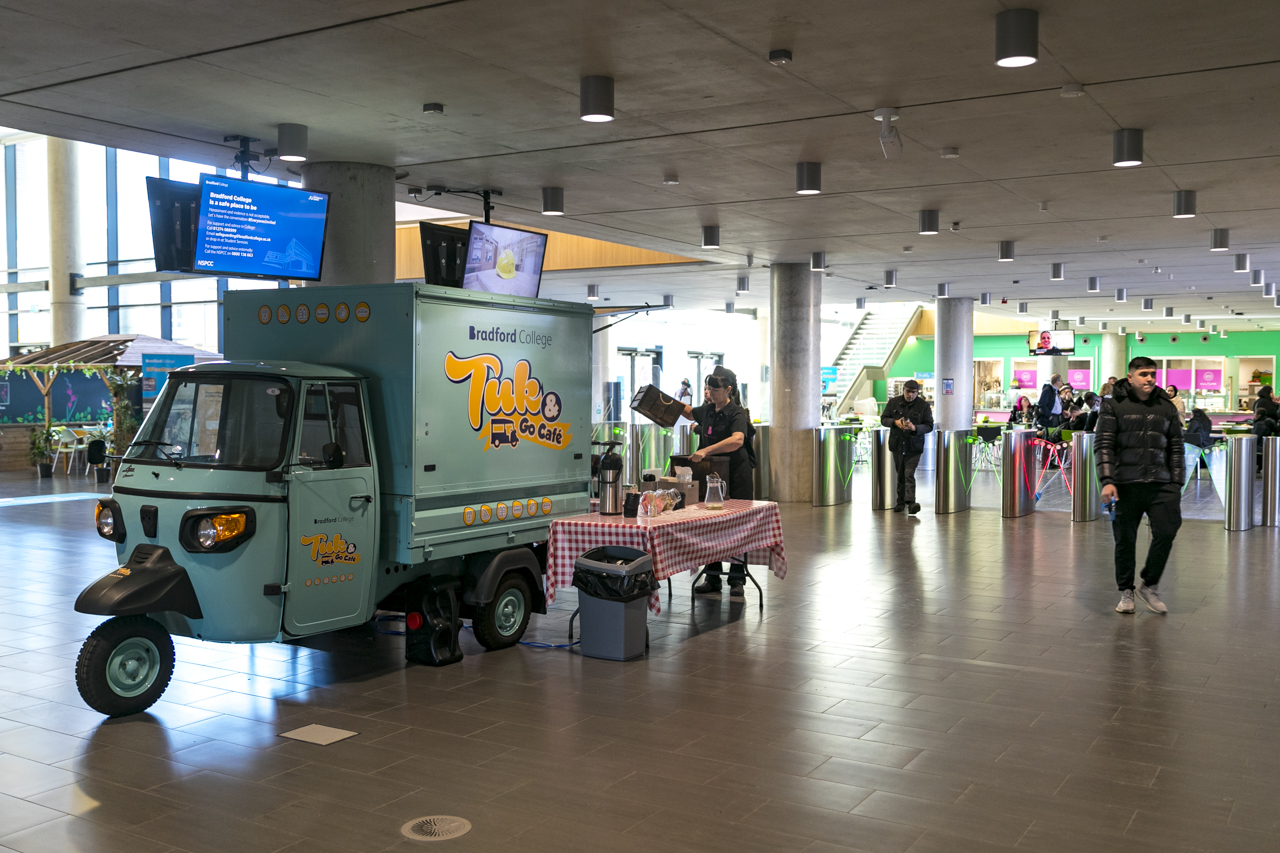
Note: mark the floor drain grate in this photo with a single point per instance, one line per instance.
(440, 827)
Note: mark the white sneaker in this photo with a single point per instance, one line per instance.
(1151, 598)
(1126, 602)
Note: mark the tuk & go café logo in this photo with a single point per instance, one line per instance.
(517, 407)
(326, 552)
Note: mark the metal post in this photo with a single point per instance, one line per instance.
(762, 460)
(954, 459)
(1238, 497)
(1017, 473)
(651, 447)
(833, 465)
(884, 476)
(1271, 481)
(1086, 495)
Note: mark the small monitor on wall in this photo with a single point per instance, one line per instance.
(175, 212)
(260, 230)
(504, 260)
(1060, 342)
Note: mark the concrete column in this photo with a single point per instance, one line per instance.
(1111, 360)
(66, 311)
(599, 367)
(360, 241)
(953, 359)
(795, 315)
(1046, 366)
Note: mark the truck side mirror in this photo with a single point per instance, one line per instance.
(332, 455)
(96, 452)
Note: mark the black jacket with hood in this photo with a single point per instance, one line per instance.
(1139, 441)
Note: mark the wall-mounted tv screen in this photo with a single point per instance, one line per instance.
(504, 260)
(175, 212)
(260, 230)
(444, 253)
(1052, 342)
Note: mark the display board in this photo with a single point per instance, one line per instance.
(504, 260)
(260, 230)
(1046, 342)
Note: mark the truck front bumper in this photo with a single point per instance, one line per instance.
(149, 582)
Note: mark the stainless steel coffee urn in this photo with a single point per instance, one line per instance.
(609, 479)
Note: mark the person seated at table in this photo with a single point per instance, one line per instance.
(1092, 406)
(724, 428)
(1199, 429)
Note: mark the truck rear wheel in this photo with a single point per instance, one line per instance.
(501, 623)
(125, 665)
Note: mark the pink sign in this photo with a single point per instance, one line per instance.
(1026, 378)
(1208, 380)
(1180, 378)
(1078, 379)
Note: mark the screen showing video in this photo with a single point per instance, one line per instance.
(1061, 342)
(262, 230)
(504, 260)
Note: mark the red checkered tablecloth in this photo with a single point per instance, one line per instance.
(679, 541)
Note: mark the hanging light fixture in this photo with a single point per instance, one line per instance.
(984, 299)
(1148, 304)
(595, 99)
(944, 288)
(1126, 147)
(1022, 307)
(1220, 241)
(593, 292)
(553, 201)
(744, 285)
(668, 300)
(928, 222)
(818, 262)
(1122, 294)
(1268, 290)
(1214, 329)
(1080, 321)
(728, 308)
(291, 142)
(1006, 250)
(1017, 37)
(1102, 327)
(1256, 277)
(1242, 262)
(808, 178)
(1222, 334)
(1053, 315)
(890, 278)
(1184, 204)
(1095, 284)
(860, 303)
(1122, 331)
(711, 236)
(1186, 319)
(1058, 272)
(1201, 324)
(1168, 311)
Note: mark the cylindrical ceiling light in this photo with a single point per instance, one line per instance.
(593, 292)
(1201, 324)
(1095, 283)
(1148, 305)
(984, 299)
(1184, 204)
(944, 288)
(1023, 307)
(1222, 334)
(291, 142)
(1186, 319)
(1242, 262)
(1053, 315)
(668, 300)
(1102, 327)
(744, 285)
(711, 236)
(1256, 277)
(928, 222)
(1017, 37)
(1277, 302)
(1080, 321)
(860, 303)
(553, 201)
(1126, 147)
(818, 262)
(728, 308)
(1058, 272)
(1214, 328)
(1122, 294)
(1122, 331)
(1006, 250)
(808, 178)
(1220, 241)
(1268, 290)
(1168, 311)
(890, 278)
(595, 98)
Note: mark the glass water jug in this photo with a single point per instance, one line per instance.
(715, 492)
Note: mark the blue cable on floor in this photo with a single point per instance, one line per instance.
(387, 617)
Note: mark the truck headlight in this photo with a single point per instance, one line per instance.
(216, 529)
(109, 520)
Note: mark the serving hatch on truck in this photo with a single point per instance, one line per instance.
(398, 447)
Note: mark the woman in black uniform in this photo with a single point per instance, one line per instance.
(723, 427)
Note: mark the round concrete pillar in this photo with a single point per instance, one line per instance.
(360, 241)
(953, 361)
(795, 320)
(1047, 365)
(66, 312)
(1112, 360)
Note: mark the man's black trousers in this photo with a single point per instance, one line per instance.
(1162, 503)
(905, 464)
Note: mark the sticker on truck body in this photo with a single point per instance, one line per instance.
(517, 406)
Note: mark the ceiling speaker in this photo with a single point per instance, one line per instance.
(1173, 339)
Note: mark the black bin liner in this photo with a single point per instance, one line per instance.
(620, 585)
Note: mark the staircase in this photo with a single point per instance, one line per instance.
(877, 340)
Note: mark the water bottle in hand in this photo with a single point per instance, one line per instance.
(1110, 509)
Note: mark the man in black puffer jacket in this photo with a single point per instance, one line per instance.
(1141, 467)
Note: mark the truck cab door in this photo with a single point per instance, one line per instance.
(332, 513)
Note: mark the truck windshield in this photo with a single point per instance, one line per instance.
(218, 422)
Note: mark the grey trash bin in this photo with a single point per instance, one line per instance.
(614, 585)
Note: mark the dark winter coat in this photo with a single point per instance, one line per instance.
(919, 412)
(1139, 441)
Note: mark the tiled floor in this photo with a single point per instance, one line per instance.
(955, 683)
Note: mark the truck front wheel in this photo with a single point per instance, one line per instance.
(500, 623)
(125, 665)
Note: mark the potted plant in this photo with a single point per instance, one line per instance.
(40, 451)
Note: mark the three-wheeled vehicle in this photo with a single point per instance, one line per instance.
(398, 447)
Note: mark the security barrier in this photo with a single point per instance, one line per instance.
(1086, 496)
(833, 465)
(1017, 473)
(1271, 481)
(954, 459)
(884, 476)
(1237, 489)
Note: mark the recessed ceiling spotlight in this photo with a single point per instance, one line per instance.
(1155, 270)
(744, 285)
(1256, 277)
(1017, 37)
(955, 227)
(595, 98)
(1148, 305)
(711, 236)
(593, 292)
(1103, 239)
(553, 201)
(906, 250)
(1072, 90)
(780, 57)
(1095, 283)
(890, 139)
(1006, 250)
(928, 222)
(671, 180)
(1126, 147)
(1242, 262)
(808, 178)
(1058, 272)
(890, 278)
(950, 153)
(1220, 240)
(291, 142)
(1184, 204)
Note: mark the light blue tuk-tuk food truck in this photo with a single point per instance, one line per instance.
(399, 447)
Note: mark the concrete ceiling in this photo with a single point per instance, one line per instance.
(696, 96)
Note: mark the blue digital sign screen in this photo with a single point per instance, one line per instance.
(260, 230)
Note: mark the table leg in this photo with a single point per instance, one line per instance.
(747, 568)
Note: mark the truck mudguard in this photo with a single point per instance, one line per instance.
(514, 559)
(149, 582)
